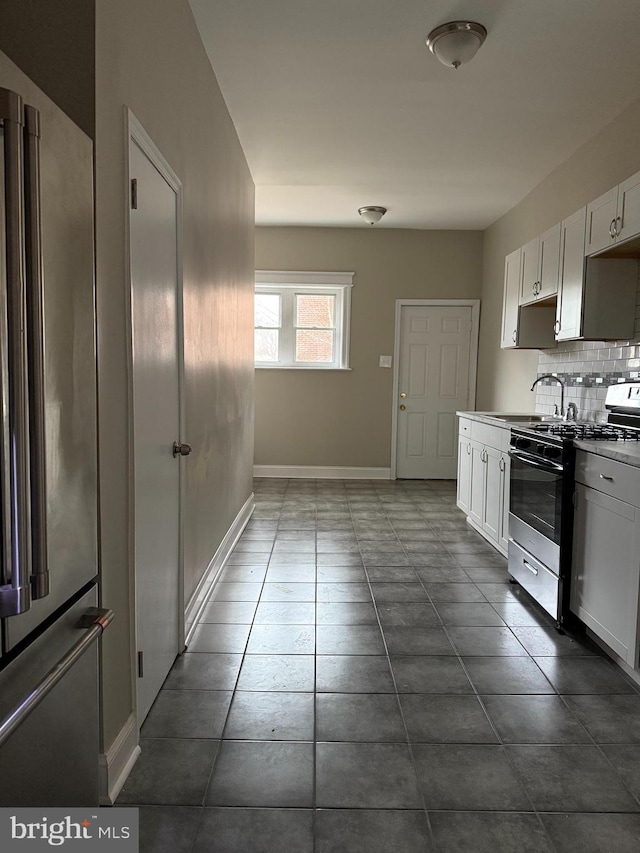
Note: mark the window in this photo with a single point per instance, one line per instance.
(302, 320)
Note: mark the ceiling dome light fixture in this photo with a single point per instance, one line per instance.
(456, 42)
(372, 215)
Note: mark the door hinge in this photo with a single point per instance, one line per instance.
(134, 193)
(140, 664)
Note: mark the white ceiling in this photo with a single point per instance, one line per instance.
(339, 103)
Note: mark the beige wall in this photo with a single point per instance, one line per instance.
(344, 418)
(53, 42)
(505, 376)
(149, 57)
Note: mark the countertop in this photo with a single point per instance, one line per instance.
(627, 452)
(621, 451)
(504, 420)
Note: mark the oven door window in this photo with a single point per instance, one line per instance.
(536, 497)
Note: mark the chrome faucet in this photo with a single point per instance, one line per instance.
(560, 383)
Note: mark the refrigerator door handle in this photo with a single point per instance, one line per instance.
(35, 351)
(15, 594)
(94, 621)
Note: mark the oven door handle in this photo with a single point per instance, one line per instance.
(529, 459)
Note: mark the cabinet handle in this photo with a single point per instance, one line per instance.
(468, 450)
(530, 567)
(618, 227)
(612, 229)
(605, 477)
(501, 464)
(514, 337)
(556, 327)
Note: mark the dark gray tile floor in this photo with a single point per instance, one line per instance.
(365, 678)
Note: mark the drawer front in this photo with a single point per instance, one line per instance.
(609, 477)
(539, 581)
(491, 436)
(465, 427)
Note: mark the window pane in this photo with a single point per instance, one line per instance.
(315, 311)
(314, 346)
(267, 310)
(266, 344)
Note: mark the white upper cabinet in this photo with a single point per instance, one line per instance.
(569, 305)
(596, 296)
(614, 217)
(529, 271)
(601, 217)
(628, 221)
(549, 262)
(527, 326)
(510, 300)
(540, 266)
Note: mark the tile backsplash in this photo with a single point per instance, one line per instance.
(587, 369)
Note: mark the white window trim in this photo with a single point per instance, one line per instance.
(338, 283)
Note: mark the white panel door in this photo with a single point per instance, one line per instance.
(433, 372)
(156, 416)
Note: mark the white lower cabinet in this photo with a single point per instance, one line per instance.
(493, 489)
(483, 480)
(605, 577)
(464, 473)
(503, 541)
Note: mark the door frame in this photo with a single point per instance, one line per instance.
(136, 134)
(474, 304)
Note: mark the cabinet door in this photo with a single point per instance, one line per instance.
(476, 492)
(570, 289)
(493, 485)
(503, 539)
(510, 302)
(464, 474)
(629, 208)
(529, 270)
(549, 262)
(601, 215)
(606, 569)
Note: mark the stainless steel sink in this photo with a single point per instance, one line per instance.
(518, 419)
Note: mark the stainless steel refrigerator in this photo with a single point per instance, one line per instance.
(49, 594)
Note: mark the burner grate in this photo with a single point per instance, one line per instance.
(590, 431)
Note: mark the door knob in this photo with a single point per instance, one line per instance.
(403, 395)
(402, 407)
(181, 449)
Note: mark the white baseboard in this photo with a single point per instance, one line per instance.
(116, 764)
(199, 598)
(321, 472)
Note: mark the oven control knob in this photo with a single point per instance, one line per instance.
(553, 453)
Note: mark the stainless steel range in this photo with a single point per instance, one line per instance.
(541, 502)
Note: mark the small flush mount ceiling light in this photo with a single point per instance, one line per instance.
(456, 42)
(372, 215)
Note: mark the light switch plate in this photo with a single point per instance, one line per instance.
(385, 361)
